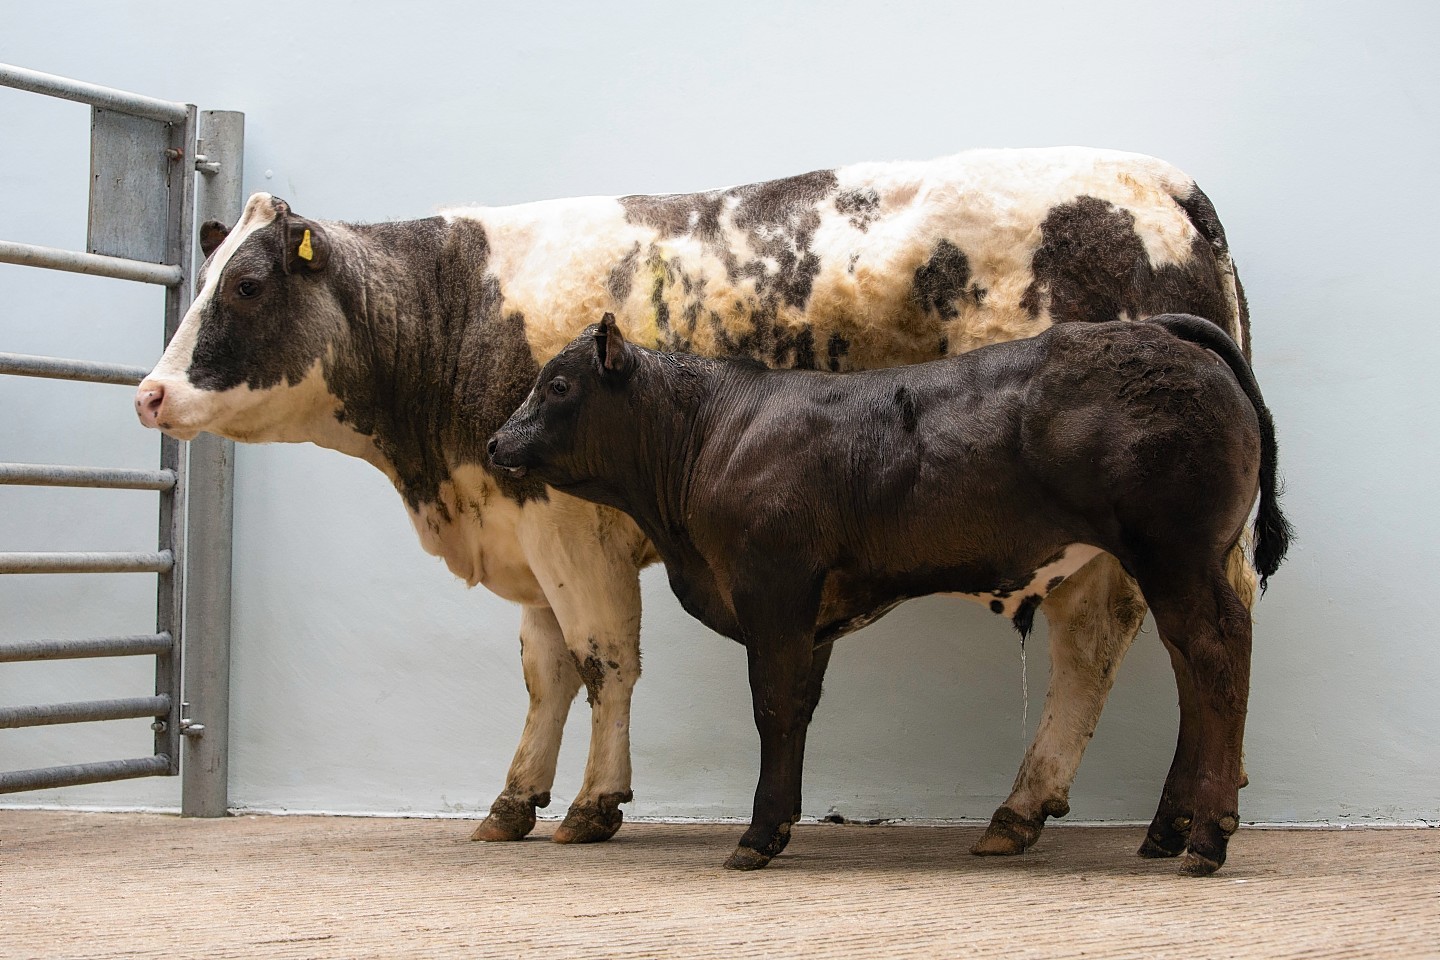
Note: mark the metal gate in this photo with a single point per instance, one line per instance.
(144, 156)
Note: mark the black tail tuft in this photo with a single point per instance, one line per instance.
(1272, 531)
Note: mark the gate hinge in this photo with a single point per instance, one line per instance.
(188, 727)
(203, 163)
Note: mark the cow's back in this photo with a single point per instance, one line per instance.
(874, 264)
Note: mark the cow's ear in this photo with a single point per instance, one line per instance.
(610, 347)
(306, 245)
(212, 234)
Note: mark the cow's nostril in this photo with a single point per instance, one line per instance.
(148, 401)
(490, 447)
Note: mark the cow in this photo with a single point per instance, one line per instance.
(790, 506)
(406, 344)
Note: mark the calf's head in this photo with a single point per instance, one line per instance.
(245, 361)
(575, 413)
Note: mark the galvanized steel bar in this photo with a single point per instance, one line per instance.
(205, 774)
(57, 368)
(97, 96)
(29, 255)
(170, 599)
(85, 711)
(160, 562)
(72, 776)
(139, 645)
(107, 478)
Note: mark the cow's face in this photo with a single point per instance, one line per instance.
(568, 424)
(246, 361)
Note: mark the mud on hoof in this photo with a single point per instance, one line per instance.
(593, 822)
(510, 818)
(1166, 839)
(1010, 834)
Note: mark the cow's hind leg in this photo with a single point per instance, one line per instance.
(552, 680)
(1208, 625)
(1093, 618)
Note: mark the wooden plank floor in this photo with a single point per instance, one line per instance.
(107, 885)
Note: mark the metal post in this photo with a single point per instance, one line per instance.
(204, 788)
(170, 603)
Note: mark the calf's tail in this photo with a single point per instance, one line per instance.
(1272, 530)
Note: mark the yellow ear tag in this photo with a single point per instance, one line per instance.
(306, 251)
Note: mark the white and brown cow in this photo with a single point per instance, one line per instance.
(408, 344)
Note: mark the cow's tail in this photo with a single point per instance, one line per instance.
(1272, 530)
(1202, 216)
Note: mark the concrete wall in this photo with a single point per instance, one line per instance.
(367, 679)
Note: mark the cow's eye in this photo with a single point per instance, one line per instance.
(246, 289)
(558, 387)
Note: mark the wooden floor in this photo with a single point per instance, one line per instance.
(108, 885)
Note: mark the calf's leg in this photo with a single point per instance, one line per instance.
(1093, 618)
(819, 661)
(1208, 625)
(1170, 829)
(779, 677)
(552, 681)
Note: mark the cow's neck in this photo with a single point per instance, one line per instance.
(434, 363)
(648, 466)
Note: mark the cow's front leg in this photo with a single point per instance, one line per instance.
(552, 680)
(1093, 617)
(593, 583)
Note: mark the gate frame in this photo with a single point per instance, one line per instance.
(195, 480)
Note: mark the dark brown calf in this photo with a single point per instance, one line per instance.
(793, 507)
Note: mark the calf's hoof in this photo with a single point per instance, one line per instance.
(593, 822)
(1010, 834)
(744, 858)
(1208, 844)
(1166, 839)
(1198, 865)
(510, 818)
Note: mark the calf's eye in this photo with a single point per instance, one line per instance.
(246, 289)
(559, 387)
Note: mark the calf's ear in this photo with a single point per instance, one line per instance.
(212, 234)
(306, 245)
(610, 346)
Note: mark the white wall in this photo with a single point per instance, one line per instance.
(367, 679)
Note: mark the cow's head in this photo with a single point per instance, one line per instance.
(567, 428)
(246, 360)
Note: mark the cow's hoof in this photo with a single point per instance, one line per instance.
(510, 818)
(1197, 865)
(1008, 834)
(593, 822)
(744, 858)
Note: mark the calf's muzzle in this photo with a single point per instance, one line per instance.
(504, 454)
